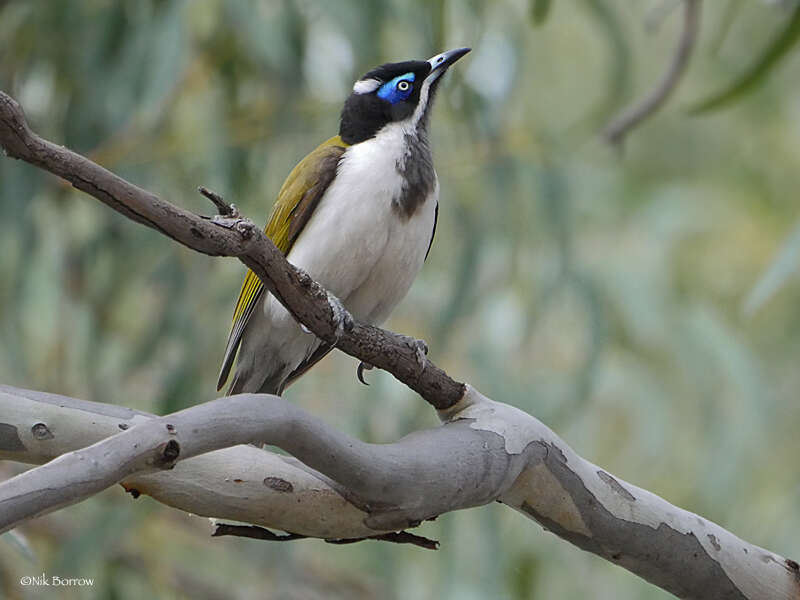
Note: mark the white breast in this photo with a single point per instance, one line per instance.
(357, 244)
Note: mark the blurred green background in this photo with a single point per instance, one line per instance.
(644, 304)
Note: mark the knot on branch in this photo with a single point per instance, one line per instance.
(41, 432)
(14, 131)
(167, 454)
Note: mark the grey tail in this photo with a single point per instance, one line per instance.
(240, 385)
(279, 381)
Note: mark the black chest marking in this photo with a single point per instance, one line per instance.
(419, 178)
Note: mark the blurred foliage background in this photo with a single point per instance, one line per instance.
(644, 304)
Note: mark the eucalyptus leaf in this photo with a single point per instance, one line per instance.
(768, 60)
(784, 265)
(19, 542)
(540, 10)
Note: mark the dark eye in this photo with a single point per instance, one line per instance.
(403, 86)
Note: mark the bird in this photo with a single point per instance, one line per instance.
(358, 214)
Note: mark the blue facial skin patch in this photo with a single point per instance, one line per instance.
(391, 89)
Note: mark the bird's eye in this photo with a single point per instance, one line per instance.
(403, 86)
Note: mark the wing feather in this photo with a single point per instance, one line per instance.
(297, 199)
(433, 232)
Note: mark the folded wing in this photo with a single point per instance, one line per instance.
(297, 199)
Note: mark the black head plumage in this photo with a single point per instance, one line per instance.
(394, 92)
(365, 112)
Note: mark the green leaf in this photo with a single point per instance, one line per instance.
(768, 60)
(540, 9)
(20, 543)
(783, 266)
(618, 82)
(726, 23)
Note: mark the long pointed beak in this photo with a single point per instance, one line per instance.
(440, 63)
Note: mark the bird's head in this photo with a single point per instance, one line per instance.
(394, 92)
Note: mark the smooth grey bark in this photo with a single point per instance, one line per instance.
(345, 488)
(398, 484)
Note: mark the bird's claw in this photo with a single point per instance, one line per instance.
(342, 319)
(362, 366)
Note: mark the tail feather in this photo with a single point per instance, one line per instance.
(243, 384)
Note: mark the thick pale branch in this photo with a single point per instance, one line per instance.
(397, 485)
(241, 483)
(308, 302)
(624, 123)
(357, 490)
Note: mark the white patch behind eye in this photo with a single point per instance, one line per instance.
(366, 86)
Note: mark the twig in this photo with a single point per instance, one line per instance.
(620, 126)
(261, 533)
(398, 537)
(225, 209)
(254, 532)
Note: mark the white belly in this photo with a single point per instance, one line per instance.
(357, 245)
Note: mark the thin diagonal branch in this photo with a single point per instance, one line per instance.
(628, 119)
(304, 298)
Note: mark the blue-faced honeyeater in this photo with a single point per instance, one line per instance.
(358, 214)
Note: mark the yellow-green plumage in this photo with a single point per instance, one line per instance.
(296, 201)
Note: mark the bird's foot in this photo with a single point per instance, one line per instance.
(420, 348)
(342, 319)
(362, 366)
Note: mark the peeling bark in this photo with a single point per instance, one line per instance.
(345, 489)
